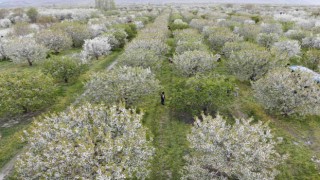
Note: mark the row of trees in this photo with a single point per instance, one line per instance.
(149, 48)
(192, 55)
(56, 37)
(109, 141)
(95, 141)
(59, 38)
(105, 4)
(199, 90)
(218, 150)
(254, 52)
(133, 78)
(28, 50)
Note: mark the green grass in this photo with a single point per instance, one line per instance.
(11, 143)
(296, 131)
(299, 164)
(69, 92)
(169, 133)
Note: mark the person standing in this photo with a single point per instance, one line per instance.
(163, 97)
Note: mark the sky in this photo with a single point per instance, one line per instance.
(18, 3)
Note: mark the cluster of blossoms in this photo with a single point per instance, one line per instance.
(267, 40)
(56, 41)
(192, 55)
(71, 14)
(289, 48)
(248, 32)
(295, 34)
(23, 50)
(128, 84)
(188, 40)
(218, 36)
(94, 48)
(311, 42)
(88, 142)
(221, 151)
(250, 64)
(148, 48)
(289, 92)
(199, 24)
(271, 28)
(5, 23)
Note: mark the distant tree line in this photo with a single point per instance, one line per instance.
(105, 4)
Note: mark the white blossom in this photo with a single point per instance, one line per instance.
(62, 14)
(249, 64)
(94, 48)
(242, 151)
(97, 29)
(220, 36)
(5, 23)
(187, 35)
(140, 57)
(190, 46)
(295, 34)
(248, 32)
(54, 40)
(139, 24)
(3, 42)
(113, 41)
(88, 142)
(127, 84)
(199, 24)
(284, 17)
(191, 62)
(288, 92)
(156, 45)
(306, 24)
(249, 21)
(271, 28)
(232, 47)
(25, 50)
(311, 42)
(290, 48)
(267, 40)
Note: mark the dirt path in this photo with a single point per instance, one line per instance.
(112, 65)
(6, 170)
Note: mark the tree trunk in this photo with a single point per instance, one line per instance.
(66, 80)
(30, 62)
(25, 110)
